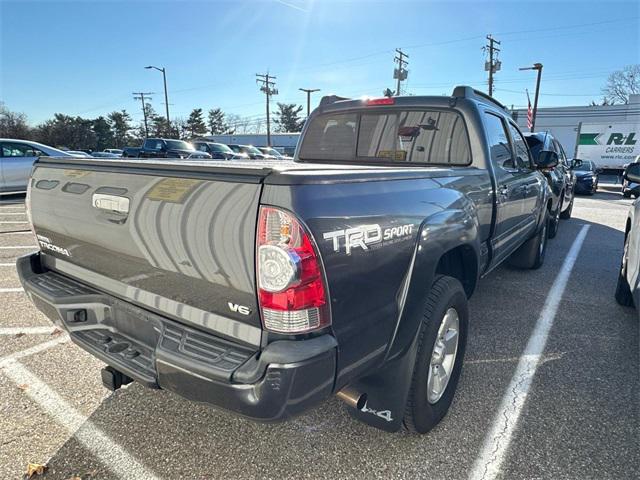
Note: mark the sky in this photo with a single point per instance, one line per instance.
(87, 57)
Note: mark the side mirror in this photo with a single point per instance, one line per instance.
(632, 173)
(576, 162)
(547, 159)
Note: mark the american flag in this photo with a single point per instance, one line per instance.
(529, 112)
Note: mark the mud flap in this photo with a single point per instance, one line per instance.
(387, 391)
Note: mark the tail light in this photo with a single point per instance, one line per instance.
(291, 290)
(27, 205)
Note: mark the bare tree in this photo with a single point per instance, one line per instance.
(621, 84)
(13, 124)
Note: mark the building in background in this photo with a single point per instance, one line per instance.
(563, 122)
(283, 142)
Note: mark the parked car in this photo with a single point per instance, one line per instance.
(115, 151)
(218, 151)
(587, 175)
(165, 148)
(16, 160)
(105, 155)
(269, 287)
(628, 287)
(78, 153)
(252, 152)
(561, 178)
(273, 153)
(199, 155)
(630, 188)
(131, 152)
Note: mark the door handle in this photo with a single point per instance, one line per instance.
(503, 190)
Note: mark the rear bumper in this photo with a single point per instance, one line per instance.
(277, 382)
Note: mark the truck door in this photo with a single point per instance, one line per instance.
(532, 182)
(509, 194)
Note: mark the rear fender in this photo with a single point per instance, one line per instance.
(387, 388)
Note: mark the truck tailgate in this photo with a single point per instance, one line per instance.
(174, 241)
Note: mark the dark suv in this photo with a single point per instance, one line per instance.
(218, 151)
(561, 178)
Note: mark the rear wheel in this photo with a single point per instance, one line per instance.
(441, 346)
(531, 254)
(623, 291)
(566, 214)
(554, 223)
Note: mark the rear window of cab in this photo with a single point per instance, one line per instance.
(428, 137)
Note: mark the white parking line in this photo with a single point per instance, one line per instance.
(27, 330)
(113, 456)
(21, 232)
(496, 443)
(11, 213)
(17, 247)
(11, 290)
(8, 264)
(41, 347)
(12, 222)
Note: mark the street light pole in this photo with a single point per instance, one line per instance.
(538, 67)
(166, 95)
(309, 91)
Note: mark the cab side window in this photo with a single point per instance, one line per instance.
(521, 151)
(19, 150)
(501, 157)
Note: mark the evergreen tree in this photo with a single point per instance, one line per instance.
(288, 118)
(104, 134)
(217, 123)
(195, 123)
(120, 126)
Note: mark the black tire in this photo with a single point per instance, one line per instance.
(565, 215)
(554, 222)
(420, 415)
(623, 292)
(531, 254)
(626, 194)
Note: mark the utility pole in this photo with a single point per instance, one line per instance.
(401, 72)
(493, 65)
(268, 86)
(538, 67)
(141, 96)
(309, 91)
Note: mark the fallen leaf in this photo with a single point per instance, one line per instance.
(20, 334)
(23, 386)
(75, 477)
(34, 469)
(57, 331)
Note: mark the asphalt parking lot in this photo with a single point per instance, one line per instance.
(578, 417)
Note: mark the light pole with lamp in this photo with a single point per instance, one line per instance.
(166, 96)
(538, 67)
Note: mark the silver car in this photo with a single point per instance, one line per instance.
(628, 288)
(16, 160)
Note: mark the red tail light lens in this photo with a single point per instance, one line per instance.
(381, 101)
(291, 290)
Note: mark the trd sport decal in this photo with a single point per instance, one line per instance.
(365, 236)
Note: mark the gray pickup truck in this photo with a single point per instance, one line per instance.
(265, 287)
